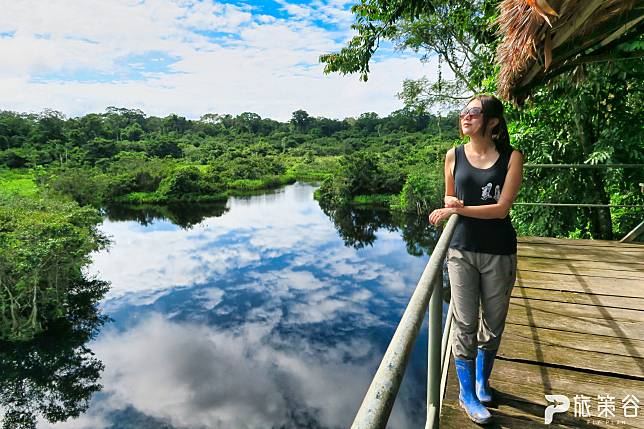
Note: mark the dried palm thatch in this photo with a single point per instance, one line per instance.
(544, 38)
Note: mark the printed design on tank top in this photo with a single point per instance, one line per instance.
(485, 192)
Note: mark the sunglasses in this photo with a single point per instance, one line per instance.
(472, 111)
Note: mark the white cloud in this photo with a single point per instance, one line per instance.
(198, 376)
(296, 10)
(64, 55)
(328, 11)
(218, 17)
(210, 297)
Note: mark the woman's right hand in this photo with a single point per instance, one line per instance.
(438, 215)
(451, 201)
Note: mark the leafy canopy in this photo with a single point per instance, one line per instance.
(462, 34)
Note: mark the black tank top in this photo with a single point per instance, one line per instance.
(477, 187)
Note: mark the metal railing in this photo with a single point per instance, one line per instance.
(379, 400)
(596, 166)
(582, 166)
(630, 236)
(633, 234)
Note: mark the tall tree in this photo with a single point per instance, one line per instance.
(301, 121)
(460, 33)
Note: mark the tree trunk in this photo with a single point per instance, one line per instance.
(601, 222)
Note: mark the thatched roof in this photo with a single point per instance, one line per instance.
(544, 38)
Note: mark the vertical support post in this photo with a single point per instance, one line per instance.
(434, 352)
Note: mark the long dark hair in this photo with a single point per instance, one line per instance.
(493, 108)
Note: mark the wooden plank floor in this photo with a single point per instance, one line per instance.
(575, 327)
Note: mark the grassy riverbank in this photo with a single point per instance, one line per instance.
(17, 182)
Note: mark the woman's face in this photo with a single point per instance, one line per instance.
(471, 123)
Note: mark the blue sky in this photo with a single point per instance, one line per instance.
(190, 57)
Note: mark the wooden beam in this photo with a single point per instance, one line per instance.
(623, 29)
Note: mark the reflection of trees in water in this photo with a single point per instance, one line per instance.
(55, 373)
(358, 226)
(184, 215)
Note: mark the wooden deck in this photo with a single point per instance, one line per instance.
(575, 327)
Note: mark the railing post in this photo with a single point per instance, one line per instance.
(434, 353)
(634, 233)
(379, 399)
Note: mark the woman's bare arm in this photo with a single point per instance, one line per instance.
(450, 189)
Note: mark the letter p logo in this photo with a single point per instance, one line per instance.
(561, 407)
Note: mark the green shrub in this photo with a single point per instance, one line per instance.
(423, 190)
(44, 243)
(84, 185)
(180, 183)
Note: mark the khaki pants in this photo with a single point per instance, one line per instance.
(481, 283)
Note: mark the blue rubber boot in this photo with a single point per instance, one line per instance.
(467, 398)
(484, 363)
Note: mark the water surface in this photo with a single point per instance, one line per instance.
(264, 313)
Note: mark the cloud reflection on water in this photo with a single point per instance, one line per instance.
(258, 318)
(195, 376)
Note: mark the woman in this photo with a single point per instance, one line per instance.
(482, 179)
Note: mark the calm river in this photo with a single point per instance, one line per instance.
(263, 313)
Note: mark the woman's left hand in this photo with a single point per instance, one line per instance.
(439, 214)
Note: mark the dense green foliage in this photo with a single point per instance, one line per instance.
(125, 156)
(44, 242)
(410, 176)
(592, 121)
(587, 114)
(95, 139)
